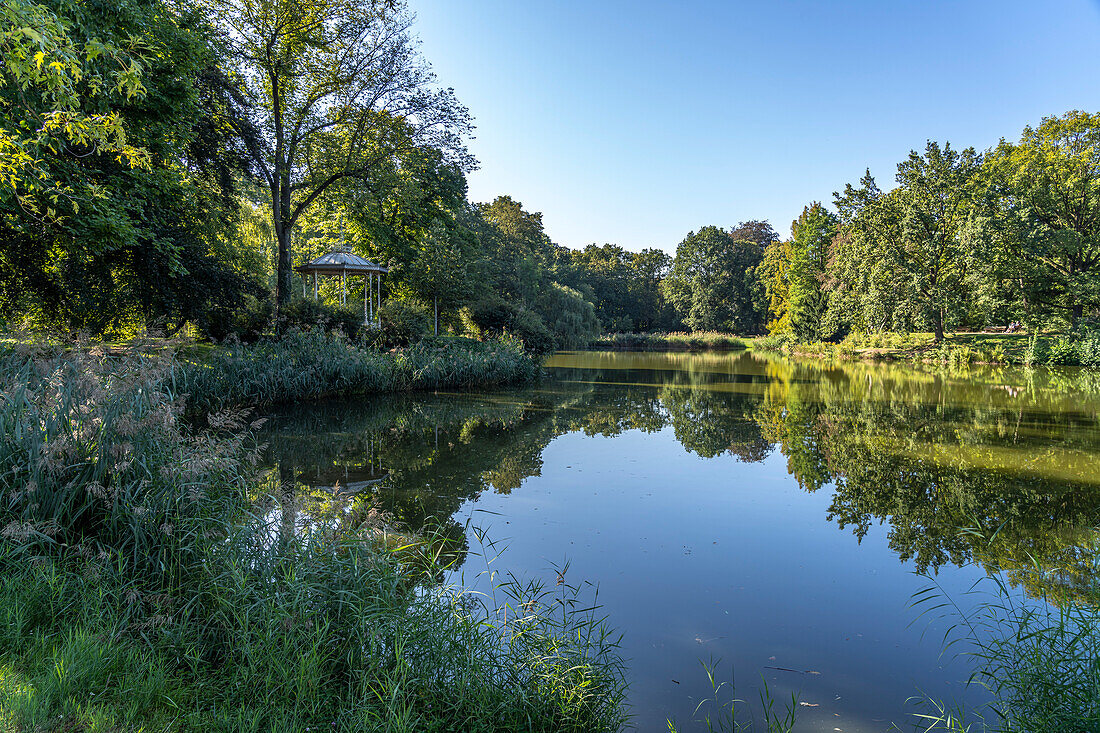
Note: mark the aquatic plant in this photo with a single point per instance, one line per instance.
(306, 365)
(1038, 657)
(725, 713)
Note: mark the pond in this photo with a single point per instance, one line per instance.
(766, 514)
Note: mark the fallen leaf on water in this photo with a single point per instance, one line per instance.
(809, 704)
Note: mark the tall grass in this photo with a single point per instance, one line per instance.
(695, 340)
(312, 364)
(1038, 658)
(151, 579)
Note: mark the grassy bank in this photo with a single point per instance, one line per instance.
(151, 579)
(959, 348)
(686, 341)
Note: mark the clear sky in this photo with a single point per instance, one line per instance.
(636, 122)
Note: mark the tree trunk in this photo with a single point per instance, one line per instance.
(436, 299)
(1078, 310)
(283, 274)
(938, 325)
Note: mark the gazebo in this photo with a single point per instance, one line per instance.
(343, 262)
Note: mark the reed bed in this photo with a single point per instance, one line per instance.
(694, 341)
(151, 578)
(313, 365)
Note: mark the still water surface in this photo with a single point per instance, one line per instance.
(769, 513)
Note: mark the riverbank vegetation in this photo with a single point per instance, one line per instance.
(151, 576)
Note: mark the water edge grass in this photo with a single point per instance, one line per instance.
(150, 579)
(691, 341)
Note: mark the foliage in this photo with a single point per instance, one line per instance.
(493, 316)
(624, 286)
(906, 254)
(713, 282)
(774, 274)
(340, 93)
(245, 321)
(130, 247)
(811, 238)
(312, 365)
(1039, 659)
(403, 322)
(306, 313)
(51, 84)
(1040, 220)
(677, 340)
(570, 318)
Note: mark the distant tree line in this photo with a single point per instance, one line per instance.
(166, 164)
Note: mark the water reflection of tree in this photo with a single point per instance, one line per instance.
(926, 451)
(932, 454)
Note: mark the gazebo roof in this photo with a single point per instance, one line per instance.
(340, 260)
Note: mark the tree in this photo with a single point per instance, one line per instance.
(440, 273)
(774, 273)
(1044, 224)
(145, 247)
(55, 94)
(338, 89)
(811, 237)
(713, 282)
(905, 256)
(516, 248)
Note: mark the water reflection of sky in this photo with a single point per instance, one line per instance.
(736, 508)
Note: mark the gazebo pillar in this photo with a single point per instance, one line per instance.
(343, 287)
(315, 285)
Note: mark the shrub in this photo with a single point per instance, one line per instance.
(1088, 349)
(1063, 351)
(402, 322)
(777, 341)
(307, 313)
(494, 316)
(532, 330)
(245, 321)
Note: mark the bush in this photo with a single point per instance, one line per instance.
(402, 322)
(532, 330)
(1062, 352)
(777, 341)
(245, 322)
(570, 318)
(306, 313)
(1088, 349)
(494, 316)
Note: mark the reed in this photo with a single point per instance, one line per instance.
(151, 579)
(308, 365)
(1038, 658)
(695, 341)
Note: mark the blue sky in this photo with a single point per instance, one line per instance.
(636, 122)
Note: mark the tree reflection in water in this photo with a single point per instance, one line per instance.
(929, 451)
